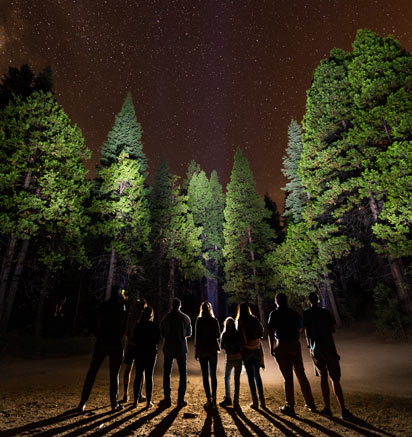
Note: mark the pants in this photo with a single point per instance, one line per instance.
(144, 363)
(167, 372)
(209, 365)
(230, 365)
(253, 376)
(115, 353)
(288, 354)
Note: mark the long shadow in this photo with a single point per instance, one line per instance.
(359, 425)
(319, 427)
(213, 417)
(161, 428)
(252, 425)
(80, 425)
(128, 430)
(243, 430)
(276, 420)
(45, 422)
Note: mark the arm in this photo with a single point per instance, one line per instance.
(271, 338)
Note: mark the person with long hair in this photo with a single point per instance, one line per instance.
(231, 342)
(206, 348)
(146, 336)
(251, 330)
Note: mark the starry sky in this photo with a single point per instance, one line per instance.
(207, 76)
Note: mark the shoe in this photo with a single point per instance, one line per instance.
(165, 403)
(181, 403)
(287, 410)
(209, 404)
(310, 407)
(81, 407)
(134, 405)
(254, 404)
(262, 402)
(149, 405)
(346, 414)
(142, 399)
(326, 412)
(236, 406)
(118, 407)
(227, 402)
(125, 400)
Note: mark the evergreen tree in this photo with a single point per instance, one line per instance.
(125, 136)
(192, 169)
(43, 189)
(274, 219)
(247, 236)
(295, 195)
(206, 203)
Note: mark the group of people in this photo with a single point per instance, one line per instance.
(240, 339)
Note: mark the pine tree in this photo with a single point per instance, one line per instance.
(247, 236)
(295, 195)
(43, 189)
(125, 136)
(206, 203)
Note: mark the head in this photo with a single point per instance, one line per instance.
(140, 304)
(243, 311)
(229, 324)
(147, 314)
(313, 299)
(281, 300)
(176, 304)
(206, 309)
(117, 293)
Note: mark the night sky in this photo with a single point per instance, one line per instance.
(206, 76)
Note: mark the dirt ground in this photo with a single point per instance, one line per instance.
(36, 396)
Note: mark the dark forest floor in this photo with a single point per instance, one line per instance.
(36, 396)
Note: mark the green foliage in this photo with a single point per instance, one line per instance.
(42, 178)
(247, 234)
(125, 136)
(295, 195)
(122, 209)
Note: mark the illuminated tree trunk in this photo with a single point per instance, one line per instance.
(41, 304)
(111, 275)
(332, 301)
(172, 280)
(402, 287)
(14, 284)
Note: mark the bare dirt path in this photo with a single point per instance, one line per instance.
(36, 397)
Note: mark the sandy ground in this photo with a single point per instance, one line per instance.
(36, 396)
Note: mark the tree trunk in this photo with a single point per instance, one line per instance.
(5, 271)
(111, 275)
(172, 279)
(40, 307)
(14, 284)
(402, 287)
(332, 301)
(76, 309)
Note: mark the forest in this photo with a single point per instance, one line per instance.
(345, 230)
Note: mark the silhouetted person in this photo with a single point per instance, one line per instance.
(146, 337)
(175, 328)
(319, 325)
(111, 322)
(134, 314)
(207, 336)
(231, 342)
(251, 331)
(284, 327)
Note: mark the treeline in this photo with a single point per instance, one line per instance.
(66, 239)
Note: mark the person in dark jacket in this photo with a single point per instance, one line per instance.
(175, 328)
(111, 322)
(319, 326)
(231, 342)
(252, 331)
(284, 327)
(145, 338)
(207, 336)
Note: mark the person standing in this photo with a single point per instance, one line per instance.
(319, 326)
(111, 321)
(134, 314)
(175, 329)
(231, 342)
(207, 336)
(284, 326)
(252, 331)
(146, 336)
